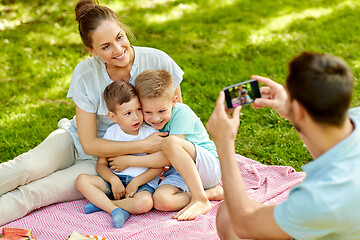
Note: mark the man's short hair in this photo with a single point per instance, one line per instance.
(118, 92)
(323, 84)
(154, 83)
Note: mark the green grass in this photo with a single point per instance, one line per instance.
(216, 42)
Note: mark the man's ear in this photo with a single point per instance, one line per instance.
(90, 50)
(298, 110)
(112, 116)
(175, 100)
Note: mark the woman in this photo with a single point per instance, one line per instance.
(47, 173)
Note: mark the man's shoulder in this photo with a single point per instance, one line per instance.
(354, 113)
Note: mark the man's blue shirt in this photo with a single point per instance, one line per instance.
(326, 204)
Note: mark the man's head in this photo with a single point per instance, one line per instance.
(323, 85)
(124, 106)
(156, 93)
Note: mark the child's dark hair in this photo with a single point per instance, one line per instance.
(89, 15)
(323, 84)
(118, 92)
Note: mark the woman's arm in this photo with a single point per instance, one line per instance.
(93, 145)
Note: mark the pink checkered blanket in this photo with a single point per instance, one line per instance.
(266, 184)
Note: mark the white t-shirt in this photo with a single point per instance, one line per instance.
(115, 133)
(90, 78)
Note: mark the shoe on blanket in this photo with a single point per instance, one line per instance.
(119, 217)
(91, 208)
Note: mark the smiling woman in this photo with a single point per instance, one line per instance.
(47, 174)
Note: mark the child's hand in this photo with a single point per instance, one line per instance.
(131, 188)
(117, 188)
(118, 163)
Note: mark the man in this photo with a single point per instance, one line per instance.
(315, 99)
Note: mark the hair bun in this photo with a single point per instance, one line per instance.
(83, 7)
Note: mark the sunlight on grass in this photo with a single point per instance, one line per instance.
(12, 20)
(45, 37)
(25, 111)
(223, 3)
(138, 4)
(151, 3)
(276, 26)
(58, 87)
(173, 14)
(14, 15)
(179, 11)
(356, 63)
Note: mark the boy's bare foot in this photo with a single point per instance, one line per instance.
(192, 210)
(215, 194)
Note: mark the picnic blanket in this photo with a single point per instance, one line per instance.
(266, 184)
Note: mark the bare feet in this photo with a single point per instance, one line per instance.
(192, 210)
(215, 194)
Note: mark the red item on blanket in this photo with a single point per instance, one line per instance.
(12, 233)
(266, 184)
(16, 231)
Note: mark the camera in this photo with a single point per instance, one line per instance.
(241, 93)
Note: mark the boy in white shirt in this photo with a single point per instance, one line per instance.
(128, 191)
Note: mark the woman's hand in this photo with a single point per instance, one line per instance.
(153, 141)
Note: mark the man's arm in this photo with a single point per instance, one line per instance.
(249, 218)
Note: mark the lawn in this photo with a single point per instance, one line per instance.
(216, 42)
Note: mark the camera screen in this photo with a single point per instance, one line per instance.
(241, 94)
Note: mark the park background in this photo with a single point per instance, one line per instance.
(216, 43)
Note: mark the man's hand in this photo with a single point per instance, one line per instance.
(273, 95)
(221, 126)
